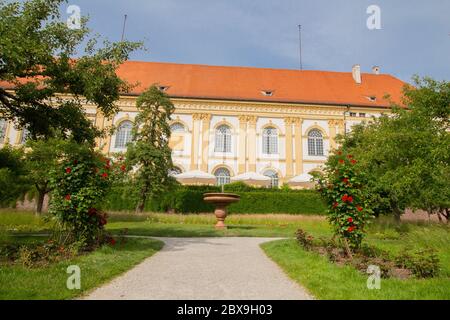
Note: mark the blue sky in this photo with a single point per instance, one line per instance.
(414, 37)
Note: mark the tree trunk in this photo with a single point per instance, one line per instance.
(397, 213)
(439, 216)
(143, 197)
(444, 213)
(40, 200)
(347, 249)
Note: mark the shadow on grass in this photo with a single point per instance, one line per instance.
(241, 227)
(168, 231)
(136, 244)
(185, 230)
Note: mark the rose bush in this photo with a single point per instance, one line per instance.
(343, 188)
(80, 183)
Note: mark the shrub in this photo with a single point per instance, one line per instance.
(304, 202)
(189, 199)
(14, 182)
(304, 239)
(80, 183)
(422, 263)
(343, 188)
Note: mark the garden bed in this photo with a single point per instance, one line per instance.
(422, 263)
(46, 278)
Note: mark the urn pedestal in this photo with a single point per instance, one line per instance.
(221, 201)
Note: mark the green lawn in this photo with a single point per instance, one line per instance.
(177, 225)
(202, 225)
(325, 280)
(23, 221)
(98, 267)
(322, 278)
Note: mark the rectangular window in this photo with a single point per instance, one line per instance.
(25, 136)
(319, 147)
(223, 143)
(227, 143)
(3, 125)
(315, 147)
(311, 147)
(218, 146)
(270, 145)
(352, 114)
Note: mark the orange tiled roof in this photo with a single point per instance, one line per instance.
(245, 83)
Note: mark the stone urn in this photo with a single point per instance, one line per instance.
(221, 201)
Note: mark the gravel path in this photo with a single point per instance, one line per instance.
(204, 268)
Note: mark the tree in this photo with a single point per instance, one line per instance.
(40, 160)
(149, 153)
(47, 84)
(13, 175)
(406, 155)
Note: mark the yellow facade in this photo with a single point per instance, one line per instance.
(194, 148)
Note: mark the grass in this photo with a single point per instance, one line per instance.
(325, 280)
(23, 221)
(202, 225)
(98, 267)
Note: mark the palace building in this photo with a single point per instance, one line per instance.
(233, 120)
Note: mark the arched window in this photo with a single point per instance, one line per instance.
(177, 127)
(3, 125)
(270, 141)
(222, 175)
(272, 174)
(223, 139)
(25, 135)
(174, 171)
(123, 135)
(315, 143)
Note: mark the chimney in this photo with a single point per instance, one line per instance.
(356, 73)
(376, 70)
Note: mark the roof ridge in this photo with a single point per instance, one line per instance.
(251, 67)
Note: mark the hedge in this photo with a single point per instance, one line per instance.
(189, 199)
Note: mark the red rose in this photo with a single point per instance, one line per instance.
(349, 156)
(123, 167)
(353, 161)
(350, 199)
(344, 197)
(68, 170)
(335, 205)
(341, 161)
(345, 180)
(104, 175)
(351, 228)
(359, 208)
(67, 197)
(350, 220)
(339, 153)
(112, 241)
